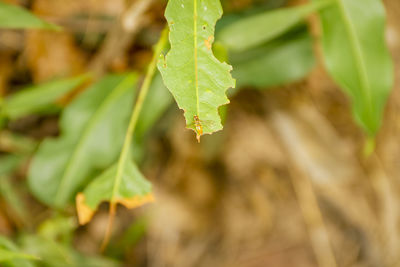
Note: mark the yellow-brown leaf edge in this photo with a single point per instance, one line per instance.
(133, 191)
(122, 183)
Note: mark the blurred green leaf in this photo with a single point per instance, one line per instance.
(356, 56)
(257, 29)
(220, 51)
(129, 238)
(35, 98)
(8, 163)
(53, 253)
(122, 183)
(278, 62)
(6, 255)
(196, 79)
(92, 132)
(10, 256)
(134, 233)
(133, 190)
(13, 199)
(53, 244)
(58, 228)
(15, 17)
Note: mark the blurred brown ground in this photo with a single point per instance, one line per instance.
(284, 184)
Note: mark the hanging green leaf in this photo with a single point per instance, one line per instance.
(133, 191)
(35, 98)
(257, 29)
(92, 131)
(278, 62)
(15, 17)
(196, 79)
(356, 56)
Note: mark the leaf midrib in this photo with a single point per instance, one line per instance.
(195, 57)
(356, 47)
(92, 121)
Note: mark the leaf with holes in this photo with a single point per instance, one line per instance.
(92, 133)
(196, 79)
(357, 57)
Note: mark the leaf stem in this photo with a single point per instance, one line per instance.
(124, 156)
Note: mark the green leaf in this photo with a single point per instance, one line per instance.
(356, 56)
(53, 242)
(6, 255)
(252, 31)
(11, 256)
(93, 128)
(281, 61)
(133, 191)
(129, 238)
(52, 252)
(35, 98)
(14, 200)
(9, 163)
(196, 79)
(122, 183)
(15, 17)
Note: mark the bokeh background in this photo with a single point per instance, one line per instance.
(285, 183)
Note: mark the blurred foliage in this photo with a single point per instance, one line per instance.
(38, 98)
(286, 59)
(14, 17)
(361, 65)
(246, 32)
(66, 96)
(92, 128)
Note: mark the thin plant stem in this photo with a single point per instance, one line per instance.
(124, 156)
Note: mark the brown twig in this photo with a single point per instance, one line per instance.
(121, 35)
